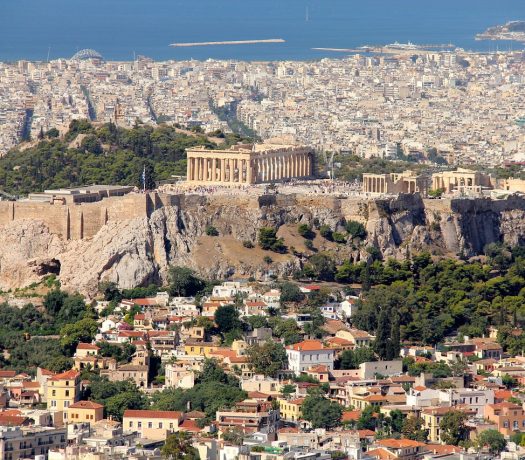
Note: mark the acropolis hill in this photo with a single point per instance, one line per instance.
(133, 239)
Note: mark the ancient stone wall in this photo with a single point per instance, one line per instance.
(83, 220)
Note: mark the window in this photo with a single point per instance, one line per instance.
(171, 425)
(160, 425)
(505, 424)
(515, 425)
(67, 393)
(54, 393)
(53, 403)
(139, 424)
(150, 424)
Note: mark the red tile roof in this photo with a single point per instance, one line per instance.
(87, 346)
(350, 415)
(12, 420)
(86, 405)
(68, 375)
(7, 374)
(307, 345)
(190, 425)
(399, 443)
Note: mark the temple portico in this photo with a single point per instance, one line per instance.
(248, 164)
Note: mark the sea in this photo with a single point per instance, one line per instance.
(122, 29)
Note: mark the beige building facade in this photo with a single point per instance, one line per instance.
(461, 181)
(405, 182)
(249, 164)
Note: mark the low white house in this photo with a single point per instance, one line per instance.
(349, 306)
(308, 353)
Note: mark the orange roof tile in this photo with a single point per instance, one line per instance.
(351, 415)
(307, 345)
(68, 375)
(399, 443)
(86, 405)
(87, 346)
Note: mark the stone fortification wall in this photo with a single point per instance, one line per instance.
(83, 220)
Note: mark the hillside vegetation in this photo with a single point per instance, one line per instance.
(103, 155)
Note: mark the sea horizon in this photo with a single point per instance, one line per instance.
(31, 30)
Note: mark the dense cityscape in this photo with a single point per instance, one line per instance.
(467, 106)
(238, 259)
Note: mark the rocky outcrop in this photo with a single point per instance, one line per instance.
(139, 250)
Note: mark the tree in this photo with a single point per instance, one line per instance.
(91, 144)
(321, 266)
(184, 282)
(355, 229)
(395, 337)
(367, 419)
(178, 446)
(351, 359)
(290, 292)
(326, 232)
(453, 429)
(116, 405)
(268, 240)
(110, 291)
(321, 412)
(211, 231)
(306, 231)
(509, 381)
(53, 133)
(492, 439)
(81, 331)
(267, 359)
(54, 300)
(257, 321)
(396, 421)
(413, 429)
(288, 390)
(383, 346)
(227, 318)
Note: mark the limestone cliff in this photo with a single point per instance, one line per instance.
(139, 250)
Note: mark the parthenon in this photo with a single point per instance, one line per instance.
(248, 164)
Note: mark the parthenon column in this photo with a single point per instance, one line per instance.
(241, 170)
(223, 170)
(249, 172)
(198, 167)
(214, 169)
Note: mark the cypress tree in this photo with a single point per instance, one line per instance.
(382, 343)
(396, 337)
